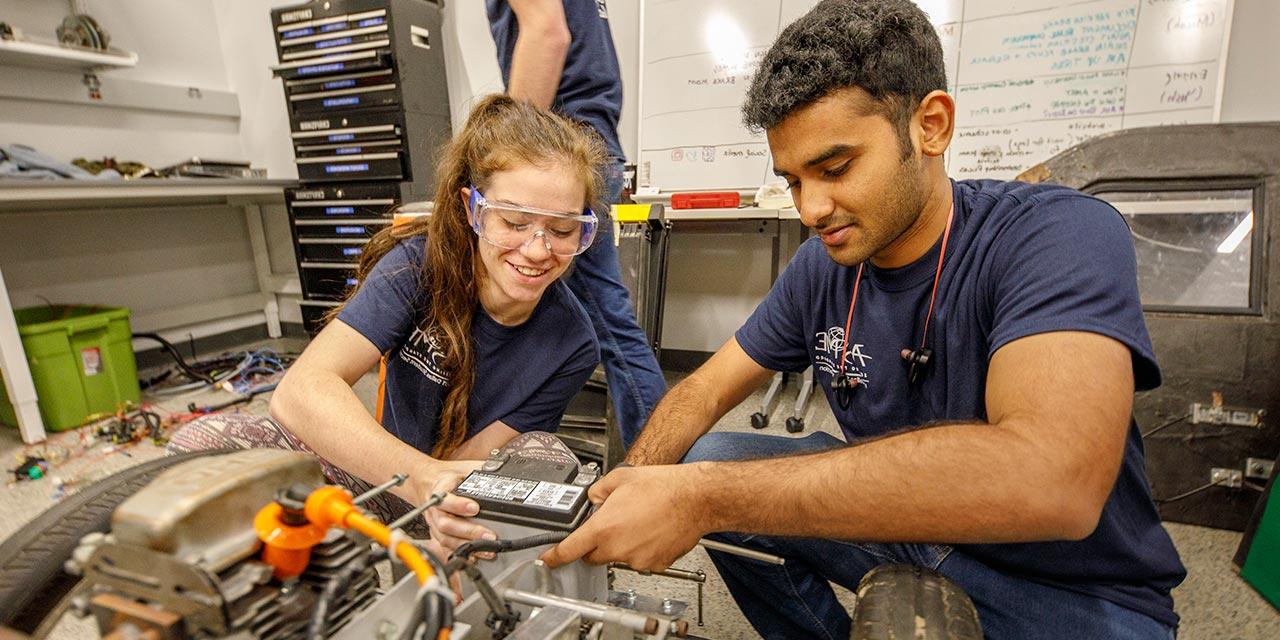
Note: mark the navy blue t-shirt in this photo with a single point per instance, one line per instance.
(590, 88)
(1022, 260)
(525, 374)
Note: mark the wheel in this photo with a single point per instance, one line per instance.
(903, 601)
(759, 420)
(32, 581)
(795, 425)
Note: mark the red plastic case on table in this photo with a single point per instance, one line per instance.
(706, 200)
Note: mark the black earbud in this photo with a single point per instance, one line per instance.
(917, 363)
(843, 387)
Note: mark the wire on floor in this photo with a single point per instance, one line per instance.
(238, 372)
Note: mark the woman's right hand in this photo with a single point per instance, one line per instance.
(450, 522)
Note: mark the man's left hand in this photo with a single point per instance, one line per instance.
(646, 517)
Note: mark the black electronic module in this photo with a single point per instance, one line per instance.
(535, 481)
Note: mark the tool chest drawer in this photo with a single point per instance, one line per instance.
(326, 280)
(330, 250)
(357, 229)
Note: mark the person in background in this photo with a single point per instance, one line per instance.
(467, 307)
(559, 54)
(979, 343)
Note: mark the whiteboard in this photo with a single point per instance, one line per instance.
(1031, 78)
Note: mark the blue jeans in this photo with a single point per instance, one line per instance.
(630, 366)
(795, 600)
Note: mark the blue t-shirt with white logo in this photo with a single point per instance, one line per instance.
(590, 89)
(1022, 260)
(525, 374)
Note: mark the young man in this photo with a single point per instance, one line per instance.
(559, 54)
(1009, 460)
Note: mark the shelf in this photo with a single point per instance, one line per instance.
(26, 53)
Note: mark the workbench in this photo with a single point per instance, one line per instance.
(95, 196)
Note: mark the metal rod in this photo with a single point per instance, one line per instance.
(671, 572)
(702, 575)
(741, 551)
(589, 610)
(417, 511)
(395, 481)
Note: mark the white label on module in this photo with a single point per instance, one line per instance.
(558, 497)
(497, 487)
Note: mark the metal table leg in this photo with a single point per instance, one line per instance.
(795, 424)
(760, 419)
(17, 375)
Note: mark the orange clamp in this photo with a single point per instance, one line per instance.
(286, 547)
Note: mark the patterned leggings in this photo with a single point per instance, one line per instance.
(244, 431)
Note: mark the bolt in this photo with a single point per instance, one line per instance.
(387, 629)
(631, 596)
(668, 605)
(80, 605)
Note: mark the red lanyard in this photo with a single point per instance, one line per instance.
(937, 275)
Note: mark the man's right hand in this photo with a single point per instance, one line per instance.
(648, 517)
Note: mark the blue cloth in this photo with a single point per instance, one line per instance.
(18, 161)
(630, 366)
(1023, 259)
(795, 600)
(525, 374)
(590, 88)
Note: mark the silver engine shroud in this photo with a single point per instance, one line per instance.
(185, 543)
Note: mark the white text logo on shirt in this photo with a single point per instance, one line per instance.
(425, 352)
(826, 355)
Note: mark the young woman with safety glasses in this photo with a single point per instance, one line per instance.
(479, 339)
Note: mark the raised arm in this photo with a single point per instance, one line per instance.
(541, 46)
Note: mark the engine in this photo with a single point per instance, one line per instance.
(183, 557)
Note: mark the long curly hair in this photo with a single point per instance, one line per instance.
(500, 133)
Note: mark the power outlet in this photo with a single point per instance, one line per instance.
(1258, 468)
(1232, 478)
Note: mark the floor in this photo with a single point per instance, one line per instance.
(1214, 602)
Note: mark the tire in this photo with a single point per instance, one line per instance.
(899, 601)
(759, 420)
(32, 580)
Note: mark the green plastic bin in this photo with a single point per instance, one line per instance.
(81, 360)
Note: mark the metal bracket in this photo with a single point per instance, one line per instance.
(1258, 468)
(1230, 478)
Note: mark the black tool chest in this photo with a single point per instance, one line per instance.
(364, 81)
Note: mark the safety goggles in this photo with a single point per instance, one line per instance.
(512, 226)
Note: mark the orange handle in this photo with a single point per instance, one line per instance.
(331, 506)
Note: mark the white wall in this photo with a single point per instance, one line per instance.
(1251, 89)
(471, 60)
(247, 47)
(176, 48)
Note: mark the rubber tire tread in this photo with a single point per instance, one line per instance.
(895, 599)
(32, 580)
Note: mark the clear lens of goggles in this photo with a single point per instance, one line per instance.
(511, 226)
